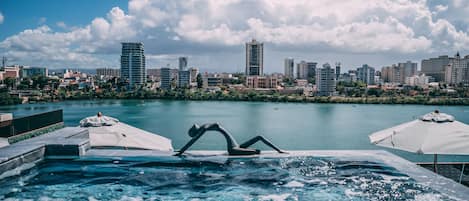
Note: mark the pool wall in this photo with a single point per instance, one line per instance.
(69, 142)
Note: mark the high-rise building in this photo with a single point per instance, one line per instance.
(289, 67)
(325, 80)
(133, 64)
(407, 69)
(183, 63)
(311, 67)
(337, 71)
(366, 74)
(254, 58)
(165, 82)
(302, 70)
(457, 71)
(435, 67)
(184, 78)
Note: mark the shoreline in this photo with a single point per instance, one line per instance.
(293, 99)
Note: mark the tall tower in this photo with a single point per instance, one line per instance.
(289, 68)
(182, 63)
(254, 58)
(337, 71)
(133, 64)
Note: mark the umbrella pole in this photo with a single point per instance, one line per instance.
(435, 168)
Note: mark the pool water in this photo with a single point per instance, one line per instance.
(171, 178)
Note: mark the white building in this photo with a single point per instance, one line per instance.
(325, 80)
(457, 71)
(289, 67)
(133, 63)
(418, 80)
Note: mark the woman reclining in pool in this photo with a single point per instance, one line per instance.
(197, 131)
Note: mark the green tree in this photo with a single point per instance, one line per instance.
(200, 81)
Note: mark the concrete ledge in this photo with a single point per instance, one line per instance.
(63, 143)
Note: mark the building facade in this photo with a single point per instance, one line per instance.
(311, 67)
(366, 74)
(184, 79)
(435, 67)
(266, 82)
(254, 58)
(457, 71)
(302, 70)
(183, 63)
(337, 71)
(325, 80)
(407, 69)
(108, 72)
(133, 64)
(289, 67)
(165, 82)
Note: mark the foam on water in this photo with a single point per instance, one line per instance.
(290, 178)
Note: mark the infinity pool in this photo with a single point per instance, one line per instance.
(171, 178)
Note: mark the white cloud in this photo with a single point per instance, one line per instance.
(41, 20)
(61, 25)
(1, 18)
(441, 8)
(354, 26)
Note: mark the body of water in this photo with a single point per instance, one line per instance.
(291, 126)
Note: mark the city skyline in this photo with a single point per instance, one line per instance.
(67, 39)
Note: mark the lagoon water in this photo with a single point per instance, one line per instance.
(292, 126)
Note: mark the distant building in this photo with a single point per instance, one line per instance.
(289, 67)
(366, 74)
(311, 68)
(184, 79)
(154, 74)
(254, 58)
(133, 63)
(11, 72)
(457, 71)
(302, 70)
(33, 71)
(107, 72)
(165, 82)
(435, 67)
(337, 71)
(417, 80)
(194, 72)
(261, 82)
(407, 69)
(325, 80)
(212, 82)
(182, 63)
(301, 82)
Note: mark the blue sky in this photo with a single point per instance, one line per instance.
(212, 33)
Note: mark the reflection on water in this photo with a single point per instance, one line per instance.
(295, 178)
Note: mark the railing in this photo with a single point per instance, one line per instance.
(22, 125)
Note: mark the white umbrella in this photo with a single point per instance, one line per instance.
(109, 132)
(434, 133)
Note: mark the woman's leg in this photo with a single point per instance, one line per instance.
(260, 138)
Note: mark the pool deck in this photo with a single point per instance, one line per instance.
(73, 143)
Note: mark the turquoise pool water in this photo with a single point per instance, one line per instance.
(171, 178)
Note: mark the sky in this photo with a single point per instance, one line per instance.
(213, 33)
